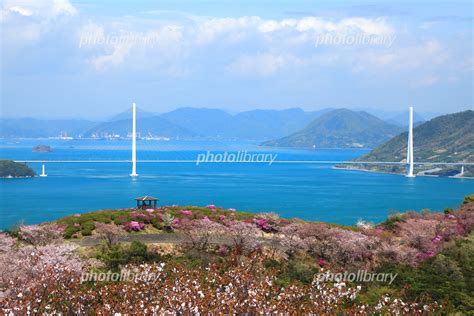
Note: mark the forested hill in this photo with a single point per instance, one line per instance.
(341, 128)
(447, 138)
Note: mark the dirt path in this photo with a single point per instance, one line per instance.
(164, 238)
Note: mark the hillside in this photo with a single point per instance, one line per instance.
(447, 138)
(11, 169)
(217, 260)
(340, 128)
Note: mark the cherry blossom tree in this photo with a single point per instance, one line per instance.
(42, 234)
(110, 233)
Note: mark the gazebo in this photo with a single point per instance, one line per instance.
(146, 202)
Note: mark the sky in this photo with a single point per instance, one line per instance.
(92, 59)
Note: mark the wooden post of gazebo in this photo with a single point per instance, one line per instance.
(145, 202)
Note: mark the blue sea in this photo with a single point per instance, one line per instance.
(307, 191)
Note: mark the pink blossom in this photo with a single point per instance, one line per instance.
(232, 209)
(223, 250)
(150, 210)
(133, 225)
(222, 218)
(426, 255)
(284, 221)
(77, 225)
(263, 224)
(322, 262)
(186, 213)
(175, 222)
(77, 215)
(211, 206)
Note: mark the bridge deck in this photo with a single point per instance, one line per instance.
(264, 162)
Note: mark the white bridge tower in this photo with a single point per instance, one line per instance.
(43, 170)
(134, 141)
(410, 146)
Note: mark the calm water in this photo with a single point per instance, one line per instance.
(313, 192)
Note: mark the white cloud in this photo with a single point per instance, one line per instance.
(25, 22)
(21, 11)
(201, 32)
(45, 9)
(320, 25)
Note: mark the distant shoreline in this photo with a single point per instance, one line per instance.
(399, 174)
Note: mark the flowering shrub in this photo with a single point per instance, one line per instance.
(245, 288)
(200, 233)
(6, 243)
(291, 241)
(364, 225)
(27, 267)
(41, 234)
(142, 217)
(134, 226)
(211, 206)
(348, 248)
(167, 220)
(186, 213)
(244, 236)
(270, 216)
(419, 233)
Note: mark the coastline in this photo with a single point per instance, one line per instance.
(400, 174)
(17, 177)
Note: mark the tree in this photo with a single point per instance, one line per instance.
(109, 232)
(200, 233)
(245, 236)
(40, 235)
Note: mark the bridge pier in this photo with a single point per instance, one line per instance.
(134, 141)
(410, 146)
(43, 170)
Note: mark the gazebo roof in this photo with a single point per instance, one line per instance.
(146, 198)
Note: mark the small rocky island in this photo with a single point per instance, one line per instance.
(11, 169)
(42, 149)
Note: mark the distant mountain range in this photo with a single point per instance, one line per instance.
(447, 138)
(35, 128)
(183, 123)
(340, 128)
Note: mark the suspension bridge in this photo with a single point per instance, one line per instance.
(410, 163)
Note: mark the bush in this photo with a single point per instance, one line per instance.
(448, 277)
(156, 222)
(70, 231)
(468, 199)
(87, 228)
(119, 255)
(392, 220)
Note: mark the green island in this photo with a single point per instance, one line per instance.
(189, 259)
(11, 169)
(448, 138)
